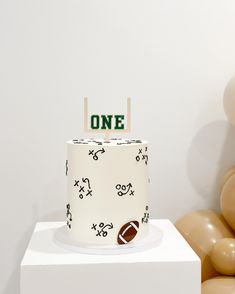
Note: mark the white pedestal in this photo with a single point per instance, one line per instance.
(170, 268)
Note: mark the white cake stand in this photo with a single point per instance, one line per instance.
(152, 240)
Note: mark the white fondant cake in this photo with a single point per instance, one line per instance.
(107, 191)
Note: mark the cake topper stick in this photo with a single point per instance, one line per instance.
(107, 124)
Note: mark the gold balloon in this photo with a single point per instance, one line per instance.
(219, 285)
(223, 256)
(228, 174)
(202, 229)
(227, 201)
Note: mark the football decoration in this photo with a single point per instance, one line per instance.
(128, 232)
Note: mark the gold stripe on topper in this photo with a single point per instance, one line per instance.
(107, 132)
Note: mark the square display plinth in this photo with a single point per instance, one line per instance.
(171, 267)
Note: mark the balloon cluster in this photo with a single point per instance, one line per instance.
(211, 235)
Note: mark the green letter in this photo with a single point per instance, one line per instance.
(106, 122)
(119, 125)
(95, 121)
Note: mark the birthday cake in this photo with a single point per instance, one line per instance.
(107, 184)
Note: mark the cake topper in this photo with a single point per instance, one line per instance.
(107, 124)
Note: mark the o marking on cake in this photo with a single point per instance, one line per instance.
(128, 232)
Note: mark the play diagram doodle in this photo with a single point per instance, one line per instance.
(125, 189)
(102, 229)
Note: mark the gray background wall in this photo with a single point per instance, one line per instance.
(173, 58)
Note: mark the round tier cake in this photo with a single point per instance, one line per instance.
(107, 191)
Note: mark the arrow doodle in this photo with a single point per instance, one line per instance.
(124, 189)
(94, 154)
(86, 180)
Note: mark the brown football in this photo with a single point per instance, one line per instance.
(128, 232)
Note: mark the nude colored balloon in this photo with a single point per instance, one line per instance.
(229, 100)
(223, 256)
(227, 201)
(228, 174)
(202, 229)
(219, 285)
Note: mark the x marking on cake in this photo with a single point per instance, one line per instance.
(93, 227)
(76, 183)
(81, 189)
(99, 233)
(145, 218)
(91, 152)
(89, 193)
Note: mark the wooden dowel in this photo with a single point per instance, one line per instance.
(85, 114)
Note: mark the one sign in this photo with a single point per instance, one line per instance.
(109, 123)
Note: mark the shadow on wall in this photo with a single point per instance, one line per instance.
(211, 154)
(54, 216)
